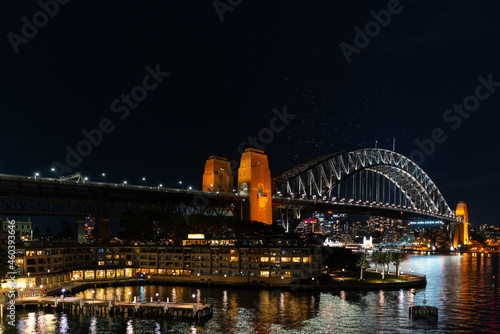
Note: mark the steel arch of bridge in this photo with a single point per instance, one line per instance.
(318, 177)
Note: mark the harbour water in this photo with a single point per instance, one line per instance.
(465, 288)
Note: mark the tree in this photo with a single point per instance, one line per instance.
(36, 232)
(337, 258)
(362, 263)
(48, 232)
(4, 264)
(385, 258)
(376, 257)
(67, 231)
(397, 258)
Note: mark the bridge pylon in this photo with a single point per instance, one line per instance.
(461, 230)
(218, 175)
(254, 181)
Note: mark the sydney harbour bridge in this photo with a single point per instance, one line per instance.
(369, 181)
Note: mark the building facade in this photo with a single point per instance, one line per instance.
(261, 259)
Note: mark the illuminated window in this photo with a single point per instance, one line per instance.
(305, 259)
(264, 274)
(101, 263)
(285, 259)
(296, 259)
(20, 262)
(129, 263)
(264, 259)
(39, 252)
(30, 253)
(100, 274)
(234, 259)
(89, 274)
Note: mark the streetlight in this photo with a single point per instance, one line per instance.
(193, 298)
(85, 179)
(124, 183)
(161, 185)
(36, 174)
(93, 295)
(144, 179)
(63, 293)
(41, 288)
(54, 170)
(104, 175)
(180, 182)
(158, 298)
(130, 297)
(190, 188)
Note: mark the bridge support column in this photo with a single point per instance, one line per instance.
(103, 233)
(254, 181)
(80, 230)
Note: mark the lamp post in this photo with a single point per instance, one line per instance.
(54, 171)
(41, 289)
(158, 298)
(193, 298)
(104, 175)
(36, 174)
(144, 179)
(161, 185)
(93, 295)
(63, 293)
(129, 297)
(124, 183)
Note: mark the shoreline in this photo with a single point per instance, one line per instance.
(319, 284)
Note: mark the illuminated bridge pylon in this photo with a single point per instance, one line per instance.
(369, 177)
(460, 230)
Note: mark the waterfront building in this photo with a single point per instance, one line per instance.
(266, 258)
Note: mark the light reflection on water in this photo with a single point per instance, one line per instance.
(459, 285)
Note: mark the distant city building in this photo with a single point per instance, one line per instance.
(89, 228)
(23, 229)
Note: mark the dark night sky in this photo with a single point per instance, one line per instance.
(227, 76)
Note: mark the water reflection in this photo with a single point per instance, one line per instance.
(459, 285)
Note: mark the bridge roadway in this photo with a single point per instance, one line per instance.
(360, 208)
(41, 196)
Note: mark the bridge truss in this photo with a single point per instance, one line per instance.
(371, 178)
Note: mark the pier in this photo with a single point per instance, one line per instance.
(115, 307)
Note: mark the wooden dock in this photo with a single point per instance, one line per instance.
(113, 307)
